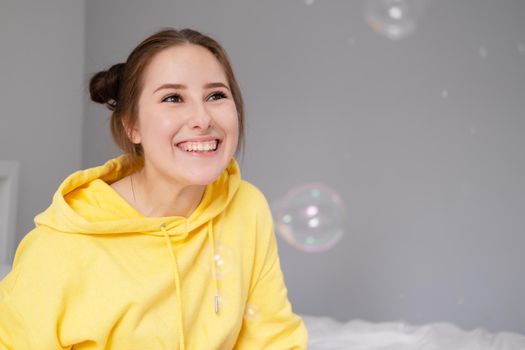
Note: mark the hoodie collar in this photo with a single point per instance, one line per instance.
(78, 204)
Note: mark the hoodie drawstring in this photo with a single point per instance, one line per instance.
(177, 285)
(177, 277)
(213, 267)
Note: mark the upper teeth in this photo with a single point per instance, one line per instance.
(199, 146)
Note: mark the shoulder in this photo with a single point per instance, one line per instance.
(250, 195)
(247, 190)
(49, 244)
(48, 257)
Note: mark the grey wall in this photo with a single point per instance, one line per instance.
(41, 87)
(423, 137)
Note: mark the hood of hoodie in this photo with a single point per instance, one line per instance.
(86, 204)
(77, 209)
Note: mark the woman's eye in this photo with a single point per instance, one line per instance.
(172, 98)
(176, 98)
(218, 95)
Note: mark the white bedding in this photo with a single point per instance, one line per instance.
(326, 333)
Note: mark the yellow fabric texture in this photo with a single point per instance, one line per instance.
(97, 274)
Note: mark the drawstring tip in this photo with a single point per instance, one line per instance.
(216, 304)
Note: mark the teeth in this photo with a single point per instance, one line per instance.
(199, 146)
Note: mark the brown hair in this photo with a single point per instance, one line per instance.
(120, 86)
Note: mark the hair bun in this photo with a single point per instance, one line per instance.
(104, 86)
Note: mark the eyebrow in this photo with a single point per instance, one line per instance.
(182, 86)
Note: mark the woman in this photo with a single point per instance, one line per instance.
(164, 247)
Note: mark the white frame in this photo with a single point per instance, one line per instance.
(8, 208)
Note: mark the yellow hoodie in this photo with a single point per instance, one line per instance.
(97, 274)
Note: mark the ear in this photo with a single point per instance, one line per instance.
(132, 130)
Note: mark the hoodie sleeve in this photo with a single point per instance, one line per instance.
(269, 322)
(13, 333)
(28, 316)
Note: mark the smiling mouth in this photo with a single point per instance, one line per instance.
(199, 147)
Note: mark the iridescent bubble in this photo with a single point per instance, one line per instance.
(483, 52)
(222, 259)
(251, 313)
(311, 217)
(521, 49)
(395, 19)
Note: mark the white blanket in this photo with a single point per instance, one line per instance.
(326, 333)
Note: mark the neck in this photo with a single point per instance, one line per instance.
(158, 197)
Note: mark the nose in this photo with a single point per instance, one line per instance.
(201, 118)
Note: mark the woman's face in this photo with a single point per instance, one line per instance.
(187, 119)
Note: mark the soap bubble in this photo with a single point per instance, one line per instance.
(483, 52)
(395, 19)
(521, 49)
(222, 258)
(251, 313)
(310, 217)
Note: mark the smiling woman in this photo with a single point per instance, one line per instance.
(167, 242)
(175, 123)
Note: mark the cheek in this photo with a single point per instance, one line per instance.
(229, 121)
(235, 130)
(157, 125)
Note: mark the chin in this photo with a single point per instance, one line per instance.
(205, 179)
